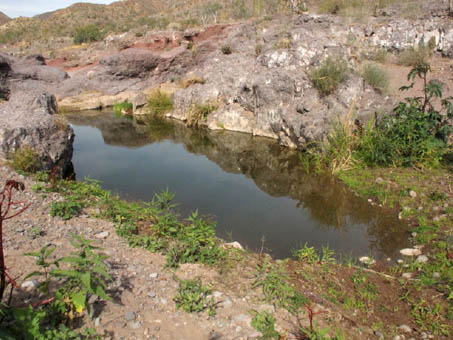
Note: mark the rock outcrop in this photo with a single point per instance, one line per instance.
(29, 119)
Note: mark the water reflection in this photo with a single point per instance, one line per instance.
(253, 186)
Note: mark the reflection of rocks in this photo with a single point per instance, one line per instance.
(275, 170)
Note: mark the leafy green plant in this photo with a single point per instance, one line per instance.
(264, 322)
(159, 103)
(123, 108)
(306, 254)
(329, 75)
(66, 209)
(376, 77)
(193, 297)
(86, 34)
(25, 159)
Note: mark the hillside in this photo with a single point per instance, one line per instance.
(4, 18)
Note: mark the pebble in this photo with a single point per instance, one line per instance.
(136, 325)
(235, 245)
(414, 234)
(397, 337)
(242, 318)
(379, 335)
(129, 316)
(405, 328)
(412, 194)
(153, 275)
(255, 335)
(227, 303)
(436, 275)
(407, 275)
(410, 252)
(103, 235)
(422, 259)
(367, 260)
(97, 322)
(152, 294)
(29, 285)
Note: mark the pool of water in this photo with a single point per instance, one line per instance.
(255, 189)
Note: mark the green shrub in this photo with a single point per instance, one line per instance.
(121, 108)
(66, 209)
(264, 322)
(159, 103)
(25, 159)
(376, 77)
(87, 33)
(226, 49)
(193, 297)
(329, 75)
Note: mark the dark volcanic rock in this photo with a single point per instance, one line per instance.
(130, 63)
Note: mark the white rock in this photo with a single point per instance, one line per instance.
(412, 194)
(407, 275)
(405, 329)
(102, 235)
(235, 245)
(422, 259)
(367, 260)
(153, 275)
(29, 285)
(410, 252)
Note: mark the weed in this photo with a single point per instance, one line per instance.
(414, 56)
(193, 297)
(87, 34)
(329, 75)
(66, 209)
(159, 103)
(428, 318)
(192, 81)
(306, 254)
(264, 322)
(284, 43)
(25, 160)
(378, 55)
(376, 77)
(199, 112)
(226, 49)
(122, 108)
(277, 290)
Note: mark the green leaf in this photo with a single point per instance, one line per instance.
(79, 300)
(86, 281)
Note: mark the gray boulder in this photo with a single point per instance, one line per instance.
(130, 63)
(31, 121)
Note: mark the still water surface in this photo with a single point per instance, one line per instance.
(256, 190)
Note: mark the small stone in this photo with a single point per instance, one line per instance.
(400, 261)
(152, 294)
(407, 275)
(424, 335)
(235, 245)
(129, 316)
(227, 303)
(153, 275)
(136, 325)
(405, 328)
(163, 301)
(412, 194)
(396, 337)
(436, 275)
(367, 260)
(97, 322)
(410, 252)
(414, 234)
(255, 335)
(422, 259)
(20, 230)
(102, 235)
(379, 335)
(29, 285)
(242, 318)
(379, 180)
(217, 294)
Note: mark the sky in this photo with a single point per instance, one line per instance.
(28, 8)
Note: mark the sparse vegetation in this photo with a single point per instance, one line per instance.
(25, 160)
(87, 34)
(123, 108)
(415, 56)
(159, 103)
(193, 297)
(376, 77)
(226, 49)
(199, 112)
(264, 322)
(192, 81)
(329, 75)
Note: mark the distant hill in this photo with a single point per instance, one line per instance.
(125, 15)
(4, 18)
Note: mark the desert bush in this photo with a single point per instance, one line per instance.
(191, 81)
(378, 55)
(199, 112)
(330, 74)
(26, 160)
(376, 77)
(159, 103)
(87, 33)
(123, 107)
(413, 56)
(226, 49)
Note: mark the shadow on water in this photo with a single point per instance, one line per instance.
(255, 188)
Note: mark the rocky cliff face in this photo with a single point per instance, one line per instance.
(28, 119)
